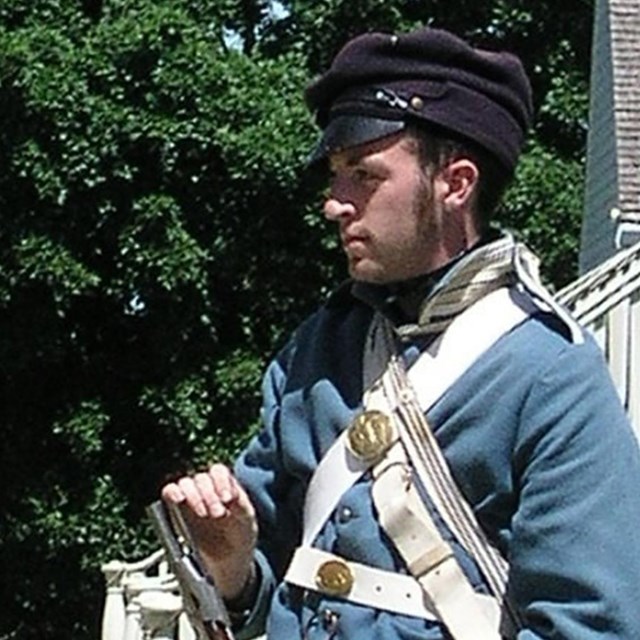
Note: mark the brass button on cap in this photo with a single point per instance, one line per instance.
(370, 435)
(334, 578)
(417, 103)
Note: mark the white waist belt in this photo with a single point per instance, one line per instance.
(376, 588)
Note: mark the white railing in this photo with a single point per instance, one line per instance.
(142, 602)
(606, 300)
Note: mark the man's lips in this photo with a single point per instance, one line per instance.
(353, 239)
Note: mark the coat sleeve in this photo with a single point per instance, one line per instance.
(575, 547)
(261, 470)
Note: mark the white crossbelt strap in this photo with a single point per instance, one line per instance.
(339, 469)
(466, 339)
(450, 596)
(421, 446)
(403, 515)
(430, 559)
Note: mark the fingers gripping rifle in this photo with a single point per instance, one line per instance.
(202, 602)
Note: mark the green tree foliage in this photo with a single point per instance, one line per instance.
(159, 237)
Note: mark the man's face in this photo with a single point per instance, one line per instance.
(390, 214)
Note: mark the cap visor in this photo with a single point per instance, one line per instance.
(346, 131)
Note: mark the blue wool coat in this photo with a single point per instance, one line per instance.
(537, 441)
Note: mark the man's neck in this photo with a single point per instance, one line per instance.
(401, 301)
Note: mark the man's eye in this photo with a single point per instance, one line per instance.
(361, 175)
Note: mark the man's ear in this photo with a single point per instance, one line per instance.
(459, 180)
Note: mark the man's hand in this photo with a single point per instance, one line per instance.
(223, 523)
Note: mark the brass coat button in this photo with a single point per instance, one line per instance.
(370, 435)
(334, 578)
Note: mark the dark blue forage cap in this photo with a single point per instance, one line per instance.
(380, 82)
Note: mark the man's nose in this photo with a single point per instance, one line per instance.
(338, 207)
(336, 210)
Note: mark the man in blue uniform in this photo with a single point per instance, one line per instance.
(443, 453)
